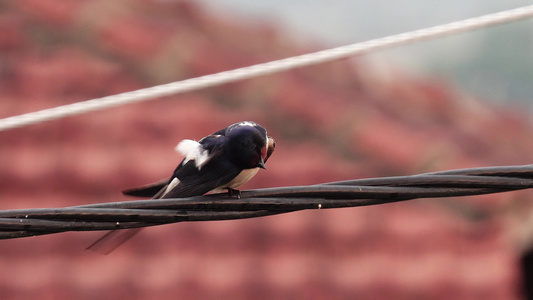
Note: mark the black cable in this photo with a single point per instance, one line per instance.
(264, 202)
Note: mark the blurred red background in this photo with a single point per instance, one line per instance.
(336, 121)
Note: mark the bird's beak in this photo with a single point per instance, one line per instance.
(261, 164)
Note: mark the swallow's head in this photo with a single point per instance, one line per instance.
(248, 145)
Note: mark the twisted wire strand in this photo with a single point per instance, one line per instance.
(266, 68)
(264, 202)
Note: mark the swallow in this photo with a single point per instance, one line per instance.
(221, 161)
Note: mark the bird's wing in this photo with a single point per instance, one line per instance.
(212, 144)
(194, 182)
(191, 182)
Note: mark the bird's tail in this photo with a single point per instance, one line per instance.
(112, 240)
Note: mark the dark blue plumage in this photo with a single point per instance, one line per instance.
(225, 159)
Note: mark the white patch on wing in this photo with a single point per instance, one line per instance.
(192, 150)
(171, 186)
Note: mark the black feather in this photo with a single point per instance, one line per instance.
(147, 191)
(230, 151)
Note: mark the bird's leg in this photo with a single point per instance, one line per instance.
(235, 194)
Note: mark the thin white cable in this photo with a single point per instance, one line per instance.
(266, 68)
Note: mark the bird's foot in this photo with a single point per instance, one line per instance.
(235, 194)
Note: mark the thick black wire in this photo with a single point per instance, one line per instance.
(264, 202)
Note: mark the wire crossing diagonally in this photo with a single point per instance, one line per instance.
(266, 68)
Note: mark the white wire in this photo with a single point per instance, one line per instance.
(266, 68)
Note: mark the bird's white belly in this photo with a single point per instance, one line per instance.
(239, 180)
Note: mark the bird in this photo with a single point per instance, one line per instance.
(221, 161)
